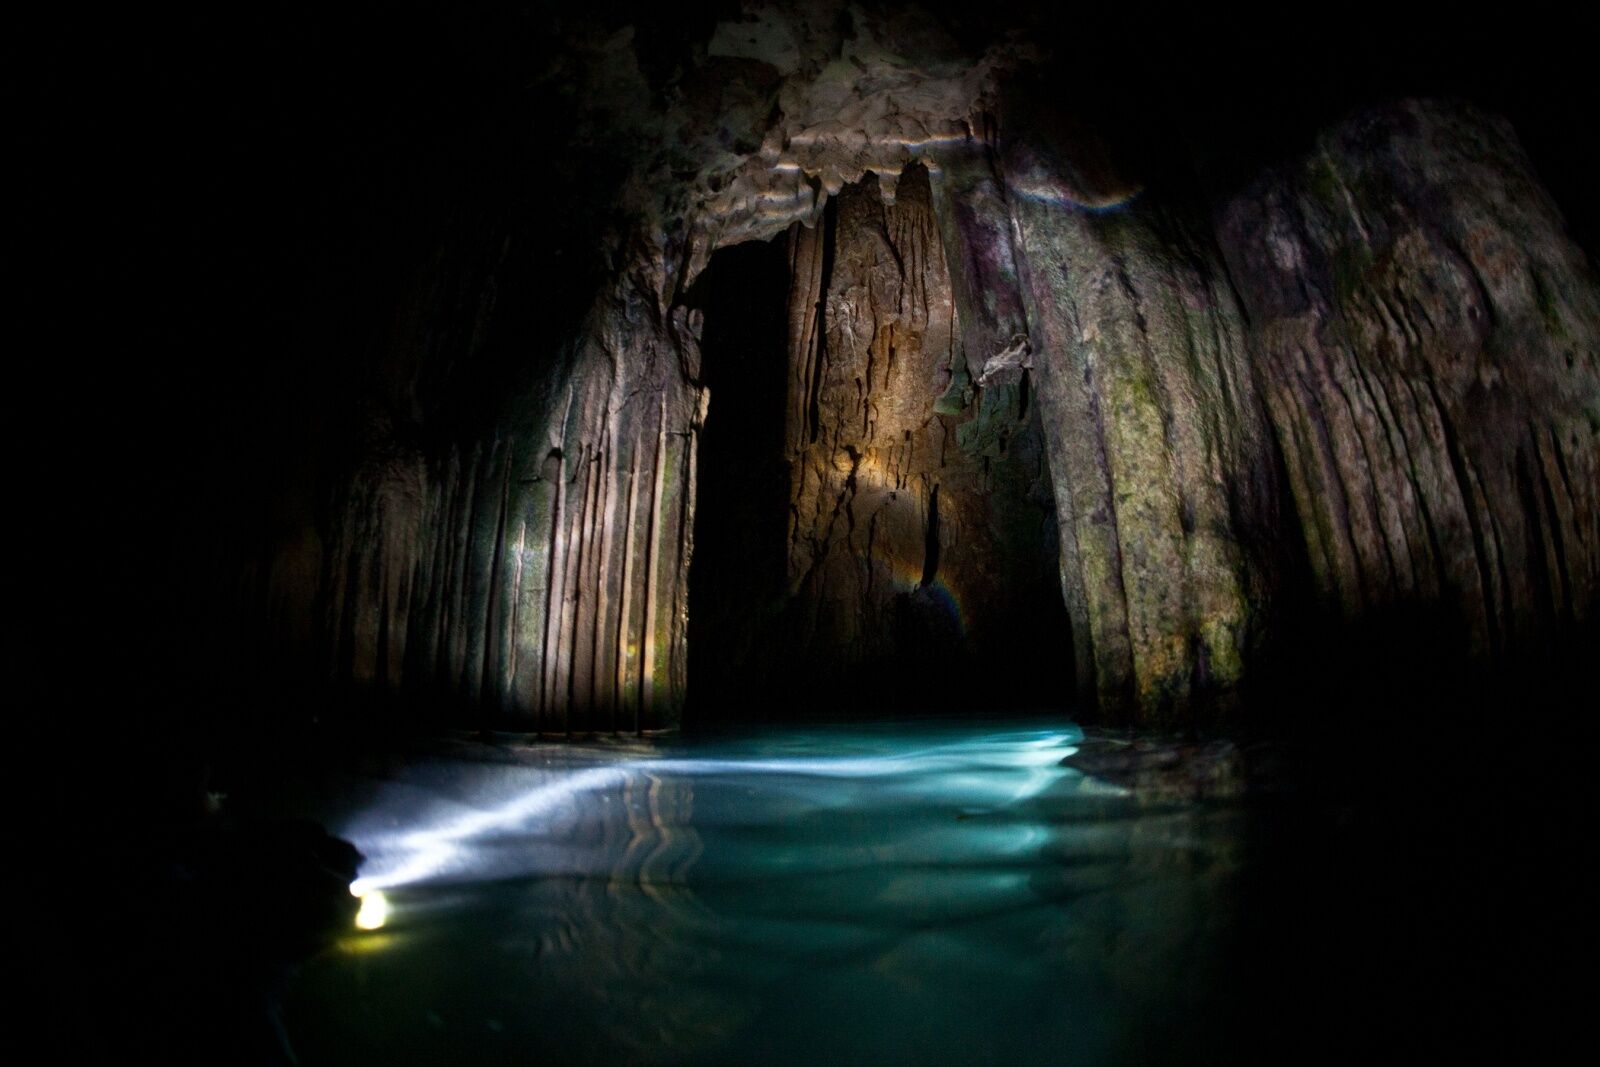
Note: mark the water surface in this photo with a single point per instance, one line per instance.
(910, 893)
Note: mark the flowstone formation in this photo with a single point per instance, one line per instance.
(1157, 444)
(1371, 378)
(920, 539)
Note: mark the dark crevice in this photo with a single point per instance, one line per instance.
(930, 556)
(742, 506)
(1544, 574)
(1480, 552)
(830, 217)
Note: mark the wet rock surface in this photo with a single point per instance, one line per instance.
(1157, 440)
(1159, 772)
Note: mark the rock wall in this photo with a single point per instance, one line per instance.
(920, 524)
(535, 574)
(1157, 443)
(1366, 380)
(1426, 336)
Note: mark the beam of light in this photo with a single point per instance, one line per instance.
(827, 148)
(852, 139)
(463, 845)
(940, 141)
(440, 849)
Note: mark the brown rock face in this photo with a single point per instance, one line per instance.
(919, 538)
(1428, 342)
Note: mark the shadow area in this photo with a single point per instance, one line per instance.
(1412, 880)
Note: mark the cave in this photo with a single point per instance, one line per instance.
(805, 531)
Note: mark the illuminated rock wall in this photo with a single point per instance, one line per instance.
(1157, 444)
(537, 576)
(920, 526)
(1379, 368)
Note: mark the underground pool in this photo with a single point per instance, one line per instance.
(934, 892)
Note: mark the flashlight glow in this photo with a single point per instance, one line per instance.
(374, 910)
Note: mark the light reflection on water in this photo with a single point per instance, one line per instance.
(931, 893)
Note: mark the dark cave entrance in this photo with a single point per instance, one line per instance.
(737, 574)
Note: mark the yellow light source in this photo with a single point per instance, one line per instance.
(374, 910)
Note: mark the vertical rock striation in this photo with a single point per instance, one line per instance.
(539, 571)
(1157, 443)
(919, 532)
(970, 204)
(1429, 344)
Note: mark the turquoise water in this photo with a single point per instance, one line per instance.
(924, 893)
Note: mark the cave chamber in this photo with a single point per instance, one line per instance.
(1215, 431)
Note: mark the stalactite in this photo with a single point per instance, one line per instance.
(652, 569)
(626, 646)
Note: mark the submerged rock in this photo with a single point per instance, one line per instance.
(1160, 772)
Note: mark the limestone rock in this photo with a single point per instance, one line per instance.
(1156, 436)
(1428, 340)
(539, 570)
(917, 536)
(1368, 380)
(1160, 772)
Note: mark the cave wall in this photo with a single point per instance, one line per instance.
(1157, 440)
(534, 573)
(1426, 336)
(1021, 361)
(920, 534)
